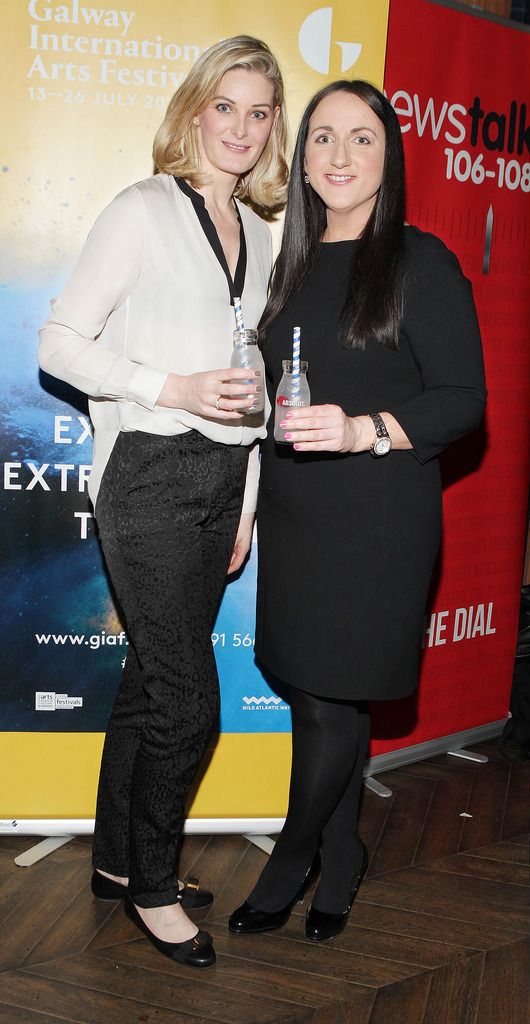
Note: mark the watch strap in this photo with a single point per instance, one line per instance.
(383, 442)
(379, 424)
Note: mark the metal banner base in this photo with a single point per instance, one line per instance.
(41, 850)
(377, 787)
(469, 755)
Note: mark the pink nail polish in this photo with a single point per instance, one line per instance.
(288, 436)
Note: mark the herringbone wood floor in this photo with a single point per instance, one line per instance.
(438, 934)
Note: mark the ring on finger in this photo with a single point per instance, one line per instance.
(217, 400)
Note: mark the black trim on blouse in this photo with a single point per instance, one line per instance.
(238, 283)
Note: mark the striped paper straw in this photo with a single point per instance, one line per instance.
(240, 323)
(296, 362)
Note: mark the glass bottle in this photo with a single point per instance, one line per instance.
(246, 354)
(293, 392)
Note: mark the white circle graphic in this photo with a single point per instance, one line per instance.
(314, 42)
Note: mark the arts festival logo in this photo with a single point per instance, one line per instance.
(48, 700)
(315, 41)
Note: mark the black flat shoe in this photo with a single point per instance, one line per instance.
(195, 952)
(247, 920)
(320, 926)
(104, 888)
(190, 897)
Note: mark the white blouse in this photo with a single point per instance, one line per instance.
(148, 297)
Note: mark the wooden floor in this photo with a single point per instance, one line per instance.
(439, 933)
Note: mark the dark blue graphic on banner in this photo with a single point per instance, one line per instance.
(63, 644)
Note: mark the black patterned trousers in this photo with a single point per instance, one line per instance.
(167, 512)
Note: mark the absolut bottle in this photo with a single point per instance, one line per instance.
(293, 392)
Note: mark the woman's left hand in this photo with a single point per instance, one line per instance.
(321, 428)
(242, 542)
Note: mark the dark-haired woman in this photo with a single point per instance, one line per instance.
(349, 512)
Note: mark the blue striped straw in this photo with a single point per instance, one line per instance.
(240, 323)
(296, 362)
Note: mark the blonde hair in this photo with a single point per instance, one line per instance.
(175, 149)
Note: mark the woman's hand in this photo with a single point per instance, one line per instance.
(242, 542)
(324, 428)
(216, 394)
(327, 428)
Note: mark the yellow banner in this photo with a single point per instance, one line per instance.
(88, 86)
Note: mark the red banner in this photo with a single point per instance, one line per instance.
(459, 84)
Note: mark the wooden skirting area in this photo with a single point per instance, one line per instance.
(439, 933)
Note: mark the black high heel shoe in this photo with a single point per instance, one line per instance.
(195, 952)
(320, 926)
(248, 920)
(191, 897)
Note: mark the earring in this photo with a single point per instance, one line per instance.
(306, 179)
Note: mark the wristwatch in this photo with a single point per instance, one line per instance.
(383, 442)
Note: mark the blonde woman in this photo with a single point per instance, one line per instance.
(144, 326)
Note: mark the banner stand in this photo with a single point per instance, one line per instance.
(257, 830)
(41, 850)
(377, 787)
(469, 755)
(466, 755)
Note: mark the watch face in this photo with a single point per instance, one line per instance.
(382, 446)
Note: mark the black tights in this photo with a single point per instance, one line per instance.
(330, 740)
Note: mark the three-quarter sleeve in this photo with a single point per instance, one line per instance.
(107, 269)
(441, 327)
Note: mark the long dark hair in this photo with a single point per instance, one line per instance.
(373, 306)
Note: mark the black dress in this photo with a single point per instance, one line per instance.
(347, 543)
